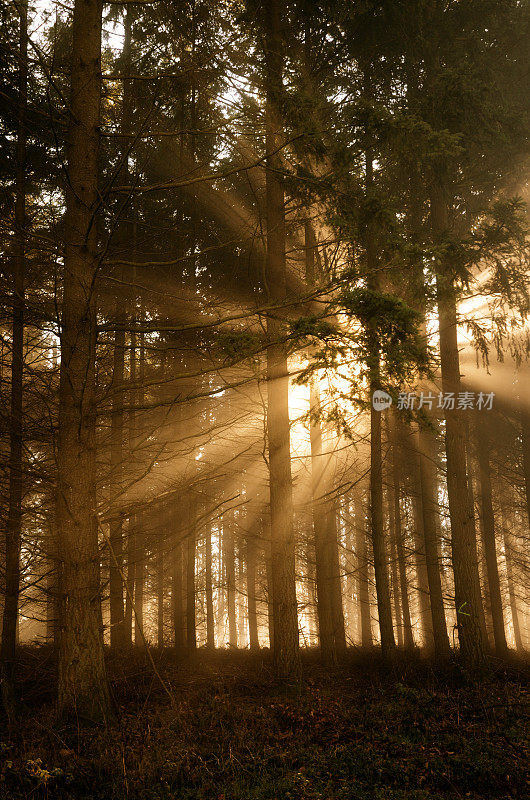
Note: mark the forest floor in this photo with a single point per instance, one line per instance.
(412, 732)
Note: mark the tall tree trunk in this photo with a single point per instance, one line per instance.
(160, 543)
(422, 578)
(118, 635)
(210, 622)
(16, 478)
(426, 442)
(322, 549)
(191, 633)
(488, 536)
(525, 435)
(230, 575)
(477, 560)
(118, 630)
(177, 605)
(251, 592)
(54, 594)
(337, 611)
(362, 572)
(139, 577)
(378, 534)
(329, 596)
(268, 569)
(353, 621)
(82, 688)
(396, 589)
(140, 533)
(468, 600)
(133, 518)
(53, 583)
(286, 648)
(376, 464)
(508, 554)
(129, 594)
(400, 549)
(429, 504)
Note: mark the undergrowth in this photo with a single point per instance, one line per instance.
(361, 730)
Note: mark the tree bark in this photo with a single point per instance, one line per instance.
(508, 554)
(160, 543)
(468, 600)
(16, 476)
(322, 550)
(408, 638)
(337, 611)
(286, 647)
(268, 568)
(525, 436)
(82, 688)
(230, 576)
(422, 579)
(429, 504)
(251, 592)
(118, 634)
(177, 605)
(139, 577)
(488, 535)
(382, 584)
(394, 573)
(118, 631)
(362, 572)
(191, 632)
(210, 622)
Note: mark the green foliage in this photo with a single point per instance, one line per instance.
(395, 327)
(239, 346)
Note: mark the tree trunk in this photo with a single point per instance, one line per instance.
(408, 638)
(251, 592)
(508, 554)
(139, 577)
(82, 688)
(362, 572)
(322, 550)
(353, 630)
(426, 443)
(16, 478)
(376, 465)
(286, 652)
(337, 611)
(133, 518)
(268, 568)
(118, 630)
(488, 535)
(422, 578)
(468, 600)
(129, 593)
(118, 636)
(429, 504)
(160, 542)
(477, 560)
(177, 605)
(378, 534)
(230, 575)
(396, 593)
(191, 633)
(210, 622)
(525, 435)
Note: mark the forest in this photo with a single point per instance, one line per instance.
(264, 430)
